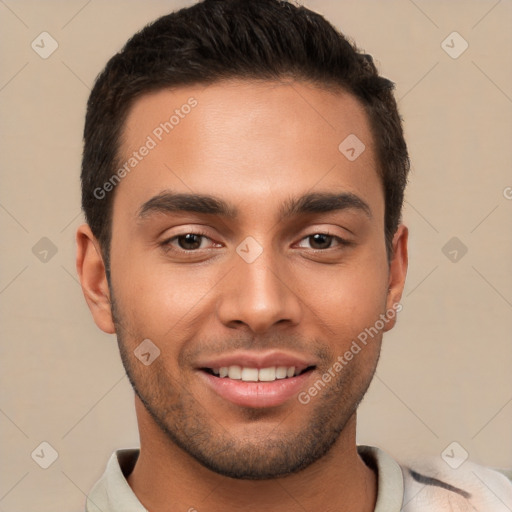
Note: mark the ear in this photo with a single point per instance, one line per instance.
(93, 278)
(397, 273)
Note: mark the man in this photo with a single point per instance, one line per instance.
(243, 177)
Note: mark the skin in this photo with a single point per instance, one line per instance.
(254, 145)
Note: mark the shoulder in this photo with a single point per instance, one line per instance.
(430, 484)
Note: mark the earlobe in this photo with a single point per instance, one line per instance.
(93, 278)
(397, 272)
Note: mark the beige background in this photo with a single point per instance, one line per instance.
(445, 371)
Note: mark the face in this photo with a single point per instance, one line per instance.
(246, 243)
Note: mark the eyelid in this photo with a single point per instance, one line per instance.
(335, 231)
(167, 243)
(342, 242)
(197, 231)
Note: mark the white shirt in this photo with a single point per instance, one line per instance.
(429, 485)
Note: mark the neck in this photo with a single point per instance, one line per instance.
(166, 478)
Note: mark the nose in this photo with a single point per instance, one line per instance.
(260, 294)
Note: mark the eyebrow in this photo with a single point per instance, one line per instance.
(317, 202)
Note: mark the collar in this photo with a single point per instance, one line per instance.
(112, 493)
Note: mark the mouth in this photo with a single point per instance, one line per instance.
(248, 374)
(256, 387)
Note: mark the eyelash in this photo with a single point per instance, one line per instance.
(168, 247)
(167, 243)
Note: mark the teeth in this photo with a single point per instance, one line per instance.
(235, 372)
(281, 372)
(267, 374)
(254, 374)
(250, 374)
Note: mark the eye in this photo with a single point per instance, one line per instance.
(187, 242)
(195, 241)
(322, 241)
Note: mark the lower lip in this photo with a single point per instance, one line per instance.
(256, 394)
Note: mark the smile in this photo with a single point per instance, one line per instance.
(256, 387)
(247, 374)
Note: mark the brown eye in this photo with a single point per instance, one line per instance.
(189, 242)
(186, 242)
(323, 241)
(320, 241)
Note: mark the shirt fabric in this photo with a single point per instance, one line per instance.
(428, 485)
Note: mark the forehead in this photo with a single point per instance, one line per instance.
(244, 140)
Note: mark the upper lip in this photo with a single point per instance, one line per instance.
(258, 360)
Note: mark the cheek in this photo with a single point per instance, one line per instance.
(161, 301)
(156, 300)
(347, 299)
